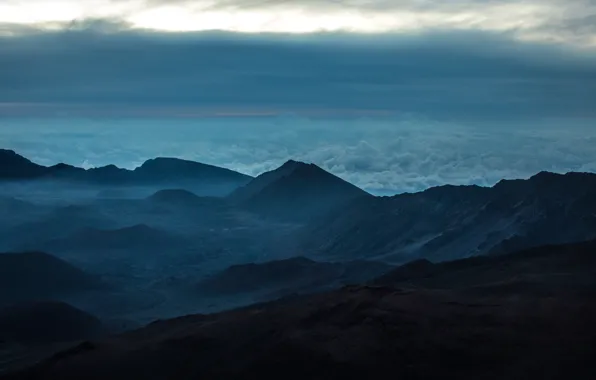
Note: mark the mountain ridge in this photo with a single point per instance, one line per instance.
(16, 167)
(296, 191)
(450, 222)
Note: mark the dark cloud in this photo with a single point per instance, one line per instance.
(439, 74)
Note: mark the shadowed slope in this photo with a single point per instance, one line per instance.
(450, 222)
(547, 270)
(354, 333)
(36, 275)
(47, 322)
(290, 276)
(296, 191)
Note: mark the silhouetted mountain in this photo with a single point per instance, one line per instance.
(44, 322)
(450, 222)
(154, 171)
(290, 276)
(35, 275)
(15, 167)
(296, 191)
(567, 270)
(171, 169)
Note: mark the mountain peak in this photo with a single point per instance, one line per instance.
(15, 166)
(169, 168)
(7, 153)
(294, 164)
(166, 163)
(296, 190)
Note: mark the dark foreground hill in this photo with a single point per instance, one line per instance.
(409, 328)
(553, 270)
(43, 322)
(291, 276)
(36, 275)
(354, 333)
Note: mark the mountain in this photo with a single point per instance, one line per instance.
(47, 322)
(15, 167)
(451, 222)
(155, 171)
(552, 270)
(296, 191)
(170, 169)
(36, 275)
(297, 275)
(361, 332)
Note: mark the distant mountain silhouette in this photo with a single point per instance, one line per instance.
(158, 170)
(36, 275)
(297, 191)
(170, 169)
(450, 222)
(289, 276)
(44, 322)
(13, 166)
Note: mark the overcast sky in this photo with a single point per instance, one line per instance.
(500, 79)
(461, 58)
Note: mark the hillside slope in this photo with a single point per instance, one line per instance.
(450, 222)
(296, 191)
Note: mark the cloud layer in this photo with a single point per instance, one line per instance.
(384, 156)
(97, 73)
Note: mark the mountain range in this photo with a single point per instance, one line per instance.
(160, 170)
(325, 279)
(450, 222)
(334, 220)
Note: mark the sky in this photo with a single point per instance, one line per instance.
(401, 94)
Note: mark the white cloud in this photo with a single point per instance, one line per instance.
(383, 156)
(543, 20)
